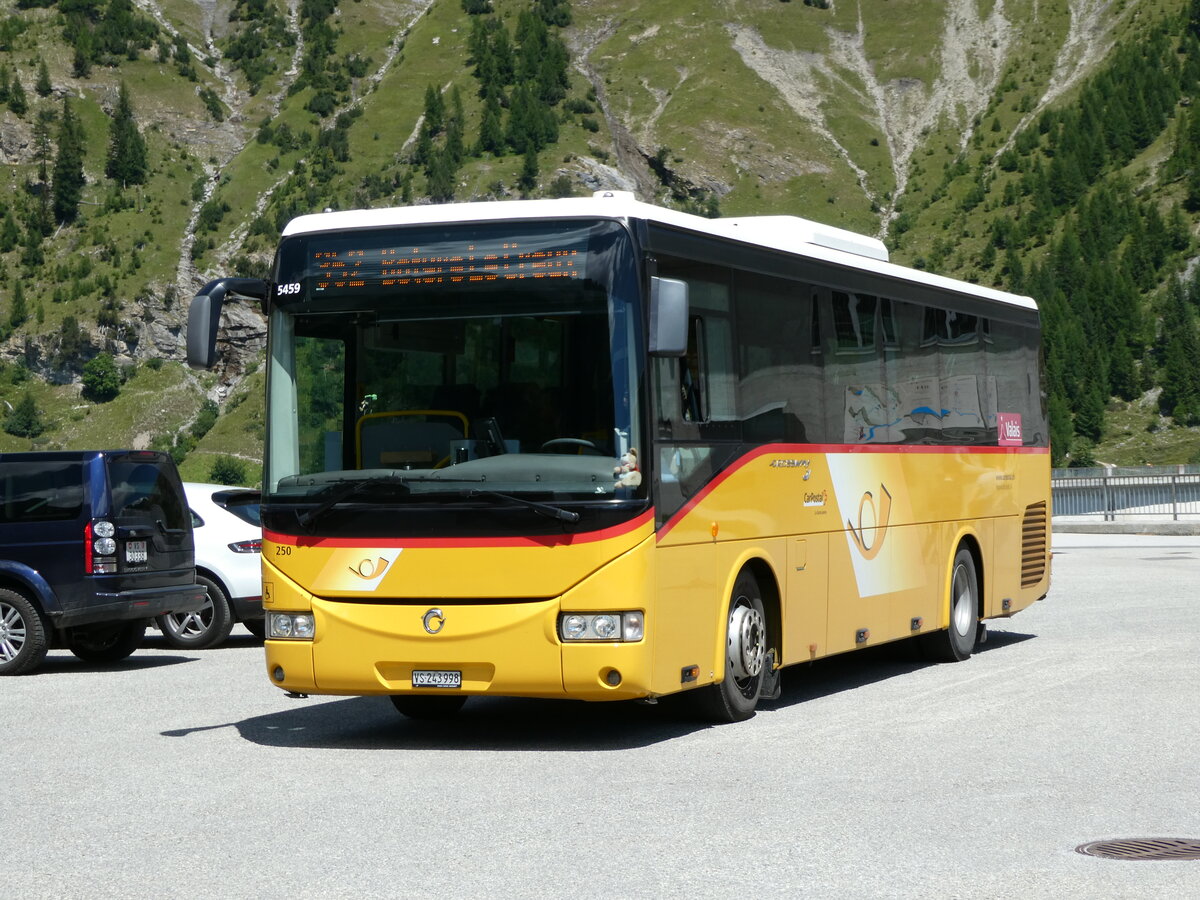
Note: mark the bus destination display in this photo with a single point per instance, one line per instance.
(355, 268)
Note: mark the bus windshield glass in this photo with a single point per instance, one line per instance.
(453, 364)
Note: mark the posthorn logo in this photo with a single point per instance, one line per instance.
(433, 620)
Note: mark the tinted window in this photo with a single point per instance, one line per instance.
(41, 491)
(242, 504)
(142, 490)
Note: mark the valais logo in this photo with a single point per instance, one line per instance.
(1009, 427)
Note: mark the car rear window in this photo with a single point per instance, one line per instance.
(40, 491)
(243, 504)
(142, 489)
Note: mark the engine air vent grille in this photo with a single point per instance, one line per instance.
(1033, 544)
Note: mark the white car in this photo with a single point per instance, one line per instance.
(228, 534)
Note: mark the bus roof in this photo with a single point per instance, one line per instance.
(790, 234)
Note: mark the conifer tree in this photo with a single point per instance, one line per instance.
(67, 189)
(19, 312)
(126, 148)
(529, 171)
(10, 234)
(43, 85)
(1180, 380)
(491, 129)
(25, 420)
(17, 101)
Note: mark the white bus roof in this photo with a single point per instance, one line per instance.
(790, 234)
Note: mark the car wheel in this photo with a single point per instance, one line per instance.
(424, 706)
(256, 627)
(206, 627)
(106, 643)
(23, 638)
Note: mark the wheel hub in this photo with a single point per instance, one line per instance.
(747, 642)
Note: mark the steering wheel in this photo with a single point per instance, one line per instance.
(577, 443)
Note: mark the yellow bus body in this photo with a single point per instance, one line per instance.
(852, 546)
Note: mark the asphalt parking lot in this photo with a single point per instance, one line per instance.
(185, 774)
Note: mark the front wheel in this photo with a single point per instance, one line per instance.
(23, 637)
(427, 706)
(957, 642)
(734, 698)
(206, 627)
(106, 643)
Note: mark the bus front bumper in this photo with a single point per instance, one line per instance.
(503, 649)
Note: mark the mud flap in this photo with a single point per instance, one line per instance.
(769, 687)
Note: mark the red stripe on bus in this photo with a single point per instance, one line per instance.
(832, 449)
(532, 540)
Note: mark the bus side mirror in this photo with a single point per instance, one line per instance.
(204, 315)
(668, 317)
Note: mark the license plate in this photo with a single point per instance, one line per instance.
(436, 678)
(135, 551)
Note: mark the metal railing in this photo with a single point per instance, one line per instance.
(1160, 491)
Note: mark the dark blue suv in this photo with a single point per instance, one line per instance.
(93, 544)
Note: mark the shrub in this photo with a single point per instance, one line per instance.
(101, 380)
(228, 470)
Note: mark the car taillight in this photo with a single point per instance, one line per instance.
(99, 548)
(254, 546)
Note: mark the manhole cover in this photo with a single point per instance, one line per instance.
(1142, 848)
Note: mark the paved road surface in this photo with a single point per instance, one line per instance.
(187, 775)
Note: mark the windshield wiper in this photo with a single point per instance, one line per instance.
(545, 509)
(345, 492)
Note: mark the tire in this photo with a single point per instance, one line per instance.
(203, 628)
(105, 644)
(23, 636)
(957, 642)
(257, 627)
(734, 698)
(425, 706)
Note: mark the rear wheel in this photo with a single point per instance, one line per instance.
(106, 643)
(23, 637)
(256, 627)
(957, 642)
(425, 706)
(203, 628)
(735, 696)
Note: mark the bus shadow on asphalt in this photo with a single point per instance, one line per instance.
(517, 724)
(849, 671)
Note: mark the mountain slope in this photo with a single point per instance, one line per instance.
(933, 124)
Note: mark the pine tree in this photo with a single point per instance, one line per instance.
(43, 85)
(441, 179)
(81, 59)
(16, 97)
(68, 167)
(529, 171)
(491, 129)
(1180, 379)
(25, 420)
(126, 148)
(19, 312)
(10, 234)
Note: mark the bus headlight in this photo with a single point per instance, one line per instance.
(285, 626)
(611, 626)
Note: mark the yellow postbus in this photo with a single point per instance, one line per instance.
(591, 448)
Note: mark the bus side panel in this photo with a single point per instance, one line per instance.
(806, 598)
(684, 609)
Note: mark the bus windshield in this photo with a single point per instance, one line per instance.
(454, 363)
